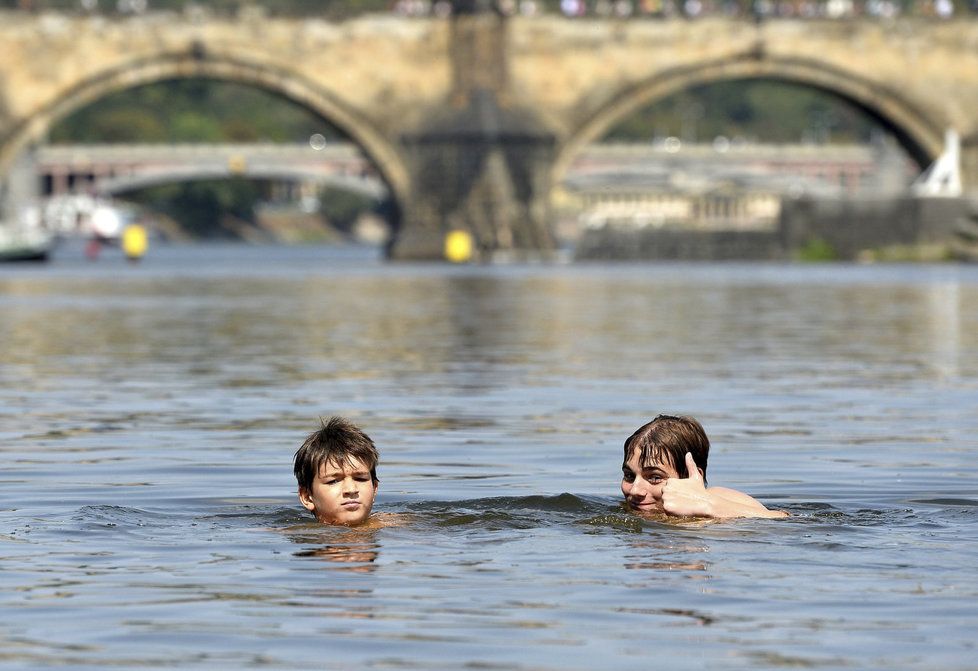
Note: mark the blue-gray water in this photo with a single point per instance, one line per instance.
(149, 413)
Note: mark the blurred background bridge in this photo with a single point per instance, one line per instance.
(718, 184)
(484, 116)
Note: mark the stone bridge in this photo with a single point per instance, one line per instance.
(471, 120)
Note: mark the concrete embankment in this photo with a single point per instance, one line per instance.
(902, 228)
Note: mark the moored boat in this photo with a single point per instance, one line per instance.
(24, 244)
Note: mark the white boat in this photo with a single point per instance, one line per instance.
(24, 244)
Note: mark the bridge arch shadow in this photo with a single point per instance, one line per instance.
(199, 63)
(920, 136)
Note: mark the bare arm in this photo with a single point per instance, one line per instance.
(690, 497)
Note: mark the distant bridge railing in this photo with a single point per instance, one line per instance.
(118, 184)
(611, 9)
(112, 169)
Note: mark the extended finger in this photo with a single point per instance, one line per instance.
(691, 468)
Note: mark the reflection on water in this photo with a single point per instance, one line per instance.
(665, 554)
(148, 417)
(359, 557)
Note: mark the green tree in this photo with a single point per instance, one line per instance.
(202, 207)
(762, 110)
(191, 110)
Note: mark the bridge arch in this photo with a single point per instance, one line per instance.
(201, 63)
(920, 135)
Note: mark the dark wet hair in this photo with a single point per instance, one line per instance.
(339, 441)
(667, 439)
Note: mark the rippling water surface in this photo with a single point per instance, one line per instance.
(148, 417)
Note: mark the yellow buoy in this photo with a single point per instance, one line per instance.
(134, 241)
(458, 246)
(237, 164)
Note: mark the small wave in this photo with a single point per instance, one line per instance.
(490, 520)
(619, 521)
(259, 514)
(108, 516)
(509, 512)
(561, 503)
(587, 513)
(827, 517)
(966, 503)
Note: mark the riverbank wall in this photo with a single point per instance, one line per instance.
(827, 229)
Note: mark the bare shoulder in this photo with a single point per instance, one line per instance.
(748, 506)
(735, 496)
(384, 520)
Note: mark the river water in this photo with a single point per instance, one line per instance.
(149, 414)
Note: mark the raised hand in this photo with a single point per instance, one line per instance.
(688, 496)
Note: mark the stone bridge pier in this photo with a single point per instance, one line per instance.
(483, 170)
(480, 163)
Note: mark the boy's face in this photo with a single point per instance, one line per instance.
(341, 493)
(642, 483)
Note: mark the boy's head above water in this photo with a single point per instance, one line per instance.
(336, 469)
(657, 452)
(664, 472)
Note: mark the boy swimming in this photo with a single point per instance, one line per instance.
(336, 469)
(664, 473)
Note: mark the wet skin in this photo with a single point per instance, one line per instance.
(655, 488)
(341, 493)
